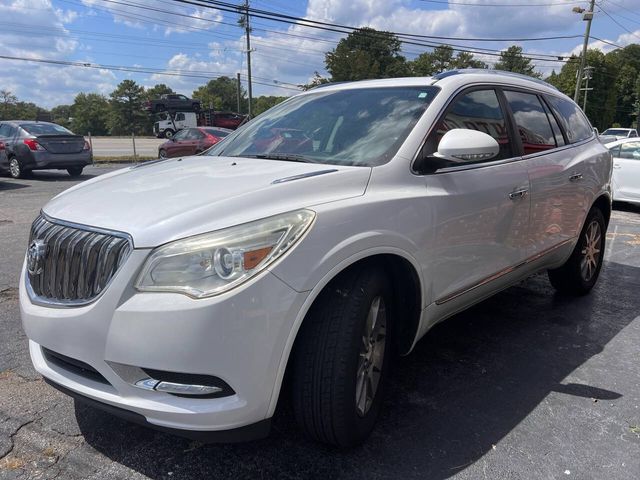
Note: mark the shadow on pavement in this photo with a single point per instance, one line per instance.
(626, 207)
(468, 383)
(12, 185)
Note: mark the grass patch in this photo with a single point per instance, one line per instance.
(124, 159)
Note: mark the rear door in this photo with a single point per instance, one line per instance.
(558, 200)
(626, 171)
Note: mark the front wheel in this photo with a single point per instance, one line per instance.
(580, 273)
(168, 133)
(162, 153)
(342, 358)
(75, 171)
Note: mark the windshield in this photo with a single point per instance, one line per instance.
(45, 129)
(615, 131)
(363, 126)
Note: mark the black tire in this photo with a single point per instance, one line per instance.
(162, 153)
(329, 356)
(168, 133)
(580, 273)
(15, 168)
(196, 107)
(75, 171)
(160, 108)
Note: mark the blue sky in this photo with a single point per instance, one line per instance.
(202, 43)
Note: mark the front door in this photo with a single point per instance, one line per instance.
(626, 172)
(480, 211)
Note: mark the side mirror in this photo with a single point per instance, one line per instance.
(463, 145)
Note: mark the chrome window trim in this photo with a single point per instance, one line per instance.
(46, 302)
(500, 86)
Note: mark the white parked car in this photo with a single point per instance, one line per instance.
(328, 233)
(620, 133)
(625, 181)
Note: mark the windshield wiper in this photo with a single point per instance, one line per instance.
(287, 157)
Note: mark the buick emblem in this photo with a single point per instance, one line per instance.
(35, 257)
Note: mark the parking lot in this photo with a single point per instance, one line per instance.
(525, 385)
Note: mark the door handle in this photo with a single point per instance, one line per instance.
(518, 194)
(575, 177)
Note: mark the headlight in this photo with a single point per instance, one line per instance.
(213, 263)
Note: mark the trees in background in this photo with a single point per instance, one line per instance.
(441, 59)
(90, 113)
(126, 115)
(221, 94)
(366, 53)
(512, 60)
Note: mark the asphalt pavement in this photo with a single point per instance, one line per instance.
(526, 385)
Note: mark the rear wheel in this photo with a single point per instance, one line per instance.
(580, 273)
(342, 358)
(15, 168)
(75, 171)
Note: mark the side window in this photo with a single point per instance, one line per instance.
(615, 151)
(180, 116)
(633, 134)
(180, 135)
(573, 121)
(182, 97)
(4, 130)
(532, 122)
(557, 133)
(630, 150)
(476, 110)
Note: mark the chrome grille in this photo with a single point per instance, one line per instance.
(72, 264)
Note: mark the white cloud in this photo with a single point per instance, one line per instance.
(179, 19)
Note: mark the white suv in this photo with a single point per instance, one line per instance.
(328, 233)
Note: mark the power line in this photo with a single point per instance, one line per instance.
(618, 23)
(551, 4)
(622, 7)
(148, 70)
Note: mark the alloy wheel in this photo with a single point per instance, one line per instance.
(14, 168)
(591, 251)
(371, 356)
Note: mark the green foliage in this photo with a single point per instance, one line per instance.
(126, 116)
(61, 115)
(315, 81)
(442, 59)
(264, 103)
(221, 94)
(512, 60)
(12, 109)
(90, 113)
(157, 90)
(366, 53)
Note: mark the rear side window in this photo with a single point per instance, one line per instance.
(532, 121)
(573, 121)
(5, 130)
(477, 110)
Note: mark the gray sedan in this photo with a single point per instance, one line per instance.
(31, 145)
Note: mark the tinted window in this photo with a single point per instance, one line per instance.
(532, 122)
(194, 134)
(630, 150)
(615, 131)
(557, 133)
(180, 135)
(5, 130)
(216, 132)
(45, 129)
(633, 133)
(575, 124)
(477, 110)
(615, 151)
(180, 116)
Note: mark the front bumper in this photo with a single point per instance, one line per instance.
(239, 337)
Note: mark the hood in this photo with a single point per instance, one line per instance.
(166, 200)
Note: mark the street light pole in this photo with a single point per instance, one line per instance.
(588, 17)
(248, 35)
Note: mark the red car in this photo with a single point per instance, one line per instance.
(191, 141)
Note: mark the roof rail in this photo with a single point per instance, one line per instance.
(450, 73)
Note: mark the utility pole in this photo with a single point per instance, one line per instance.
(588, 72)
(239, 87)
(247, 30)
(587, 17)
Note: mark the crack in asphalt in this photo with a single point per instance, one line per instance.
(12, 435)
